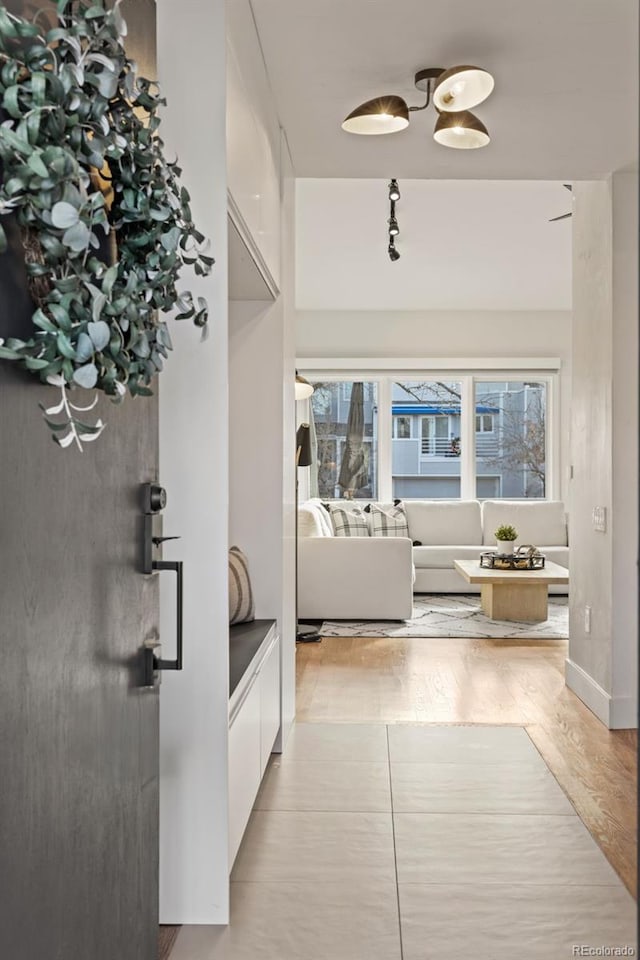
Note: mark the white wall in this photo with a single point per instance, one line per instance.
(288, 458)
(464, 245)
(194, 469)
(425, 334)
(253, 137)
(256, 446)
(624, 666)
(602, 663)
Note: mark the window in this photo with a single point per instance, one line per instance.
(431, 436)
(345, 421)
(429, 465)
(512, 455)
(484, 423)
(402, 428)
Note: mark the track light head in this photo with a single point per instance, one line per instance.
(393, 253)
(394, 191)
(394, 229)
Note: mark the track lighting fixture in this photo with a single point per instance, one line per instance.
(394, 229)
(453, 92)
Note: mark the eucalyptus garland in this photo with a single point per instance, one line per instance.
(105, 224)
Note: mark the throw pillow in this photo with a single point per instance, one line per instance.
(388, 523)
(241, 605)
(309, 522)
(349, 523)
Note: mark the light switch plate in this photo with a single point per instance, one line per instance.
(600, 519)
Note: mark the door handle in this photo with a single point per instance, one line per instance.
(176, 567)
(154, 500)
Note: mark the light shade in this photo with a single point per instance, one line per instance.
(461, 130)
(382, 115)
(304, 455)
(304, 390)
(462, 88)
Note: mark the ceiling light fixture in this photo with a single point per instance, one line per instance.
(382, 115)
(461, 88)
(393, 253)
(394, 229)
(451, 91)
(461, 130)
(394, 191)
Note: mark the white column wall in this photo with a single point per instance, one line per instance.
(288, 650)
(194, 468)
(624, 519)
(602, 663)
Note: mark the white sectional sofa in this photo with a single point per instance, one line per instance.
(463, 529)
(374, 578)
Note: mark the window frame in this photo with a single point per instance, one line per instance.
(466, 371)
(394, 420)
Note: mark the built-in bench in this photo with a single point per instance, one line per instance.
(254, 716)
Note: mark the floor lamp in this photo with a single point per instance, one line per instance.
(304, 458)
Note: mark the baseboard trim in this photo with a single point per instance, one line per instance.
(623, 713)
(590, 692)
(617, 713)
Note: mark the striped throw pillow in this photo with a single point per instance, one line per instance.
(388, 523)
(241, 605)
(349, 523)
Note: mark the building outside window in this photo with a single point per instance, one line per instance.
(401, 428)
(428, 466)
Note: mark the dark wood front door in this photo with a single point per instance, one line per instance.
(78, 732)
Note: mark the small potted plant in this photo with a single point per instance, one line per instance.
(505, 535)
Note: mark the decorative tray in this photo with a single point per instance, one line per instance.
(526, 558)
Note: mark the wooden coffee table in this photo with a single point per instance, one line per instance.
(513, 594)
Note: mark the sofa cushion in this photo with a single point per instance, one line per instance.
(541, 522)
(349, 523)
(559, 555)
(322, 515)
(387, 523)
(310, 521)
(442, 557)
(438, 522)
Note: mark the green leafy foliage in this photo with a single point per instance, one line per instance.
(506, 532)
(82, 161)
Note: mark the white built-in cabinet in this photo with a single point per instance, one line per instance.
(253, 143)
(254, 722)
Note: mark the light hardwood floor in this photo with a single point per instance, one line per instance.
(485, 681)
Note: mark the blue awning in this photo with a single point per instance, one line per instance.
(407, 409)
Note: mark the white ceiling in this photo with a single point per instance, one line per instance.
(464, 245)
(564, 105)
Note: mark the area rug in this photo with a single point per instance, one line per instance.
(455, 615)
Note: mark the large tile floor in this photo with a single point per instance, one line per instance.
(410, 842)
